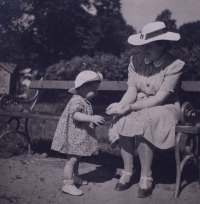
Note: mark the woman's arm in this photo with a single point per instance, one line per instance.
(128, 98)
(156, 100)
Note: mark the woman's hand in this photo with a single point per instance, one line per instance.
(113, 107)
(117, 109)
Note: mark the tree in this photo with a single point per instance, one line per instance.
(189, 49)
(190, 33)
(42, 33)
(165, 16)
(115, 30)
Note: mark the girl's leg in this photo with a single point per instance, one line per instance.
(76, 167)
(146, 153)
(69, 167)
(69, 186)
(77, 179)
(127, 145)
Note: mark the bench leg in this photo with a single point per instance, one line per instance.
(178, 164)
(199, 168)
(27, 136)
(198, 155)
(25, 133)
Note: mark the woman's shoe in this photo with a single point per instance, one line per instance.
(70, 188)
(124, 181)
(145, 186)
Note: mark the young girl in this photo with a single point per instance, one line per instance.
(75, 133)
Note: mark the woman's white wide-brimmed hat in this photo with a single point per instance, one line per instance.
(84, 77)
(152, 32)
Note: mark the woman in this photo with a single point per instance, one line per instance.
(149, 110)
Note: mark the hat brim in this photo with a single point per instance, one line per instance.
(73, 90)
(136, 38)
(99, 77)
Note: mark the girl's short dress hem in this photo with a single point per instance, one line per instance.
(74, 137)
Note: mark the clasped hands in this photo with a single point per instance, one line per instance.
(117, 109)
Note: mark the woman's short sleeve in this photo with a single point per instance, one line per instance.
(132, 75)
(172, 76)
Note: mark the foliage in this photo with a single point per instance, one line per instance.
(188, 50)
(40, 33)
(188, 47)
(165, 16)
(68, 36)
(112, 67)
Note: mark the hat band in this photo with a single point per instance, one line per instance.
(153, 34)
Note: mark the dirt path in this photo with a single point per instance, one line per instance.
(38, 180)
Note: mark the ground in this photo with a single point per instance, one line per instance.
(37, 179)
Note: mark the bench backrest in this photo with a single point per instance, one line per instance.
(191, 86)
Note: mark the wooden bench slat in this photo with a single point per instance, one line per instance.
(50, 84)
(54, 116)
(106, 85)
(188, 129)
(192, 86)
(35, 115)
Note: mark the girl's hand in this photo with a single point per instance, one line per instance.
(97, 120)
(119, 110)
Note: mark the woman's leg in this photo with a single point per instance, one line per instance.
(146, 153)
(127, 145)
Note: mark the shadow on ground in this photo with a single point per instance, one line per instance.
(101, 174)
(164, 166)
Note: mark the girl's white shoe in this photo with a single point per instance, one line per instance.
(70, 188)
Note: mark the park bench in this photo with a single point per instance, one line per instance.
(189, 124)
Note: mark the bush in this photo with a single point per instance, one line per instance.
(112, 67)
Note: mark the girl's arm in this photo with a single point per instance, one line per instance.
(81, 117)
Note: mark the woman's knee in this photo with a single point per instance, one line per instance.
(127, 143)
(141, 141)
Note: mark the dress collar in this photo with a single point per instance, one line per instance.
(85, 99)
(157, 63)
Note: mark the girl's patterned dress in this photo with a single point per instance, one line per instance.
(156, 124)
(74, 137)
